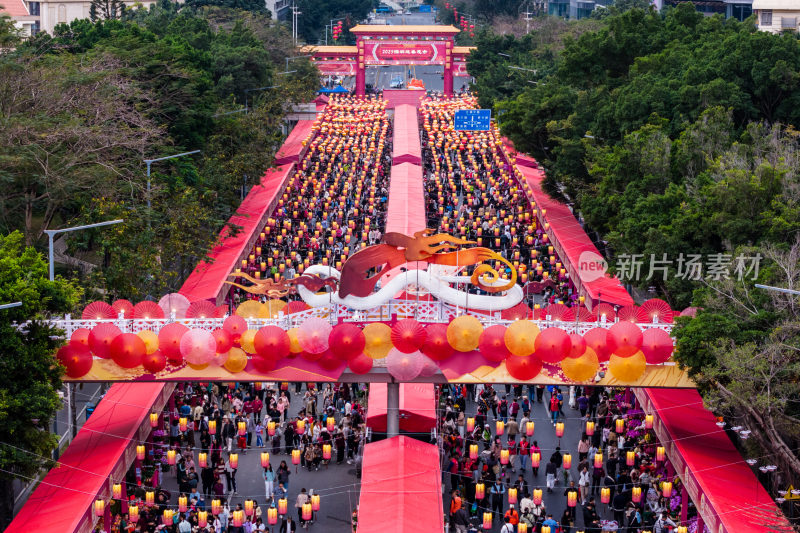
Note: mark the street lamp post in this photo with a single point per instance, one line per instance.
(778, 289)
(14, 304)
(149, 162)
(52, 232)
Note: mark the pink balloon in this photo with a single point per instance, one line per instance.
(404, 366)
(198, 346)
(313, 335)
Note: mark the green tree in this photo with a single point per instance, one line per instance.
(106, 9)
(9, 34)
(32, 376)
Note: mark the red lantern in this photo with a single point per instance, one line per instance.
(295, 457)
(202, 518)
(559, 429)
(326, 452)
(605, 495)
(182, 503)
(499, 427)
(216, 507)
(630, 458)
(99, 507)
(202, 459)
(529, 428)
(598, 460)
(660, 454)
(473, 451)
(264, 459)
(480, 491)
(272, 516)
(504, 457)
(512, 495)
(306, 510)
(567, 461)
(140, 452)
(212, 427)
(589, 428)
(636, 495)
(116, 491)
(648, 422)
(233, 460)
(572, 498)
(282, 505)
(536, 459)
(537, 496)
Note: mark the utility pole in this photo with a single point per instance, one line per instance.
(295, 15)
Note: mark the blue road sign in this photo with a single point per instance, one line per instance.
(472, 119)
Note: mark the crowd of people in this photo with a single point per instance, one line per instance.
(335, 202)
(210, 427)
(614, 472)
(471, 192)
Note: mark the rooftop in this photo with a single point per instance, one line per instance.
(14, 8)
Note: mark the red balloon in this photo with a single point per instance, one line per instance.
(127, 350)
(77, 362)
(492, 343)
(624, 339)
(169, 340)
(347, 341)
(552, 345)
(328, 361)
(308, 356)
(80, 340)
(154, 362)
(264, 365)
(408, 335)
(597, 340)
(523, 368)
(436, 345)
(100, 338)
(235, 325)
(578, 345)
(656, 346)
(360, 364)
(271, 342)
(224, 340)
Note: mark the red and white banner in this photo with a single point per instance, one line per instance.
(404, 52)
(460, 70)
(336, 68)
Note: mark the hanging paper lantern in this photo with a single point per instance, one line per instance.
(313, 335)
(149, 498)
(169, 340)
(598, 460)
(150, 339)
(154, 362)
(636, 494)
(183, 423)
(572, 498)
(620, 425)
(127, 350)
(133, 513)
(235, 325)
(202, 459)
(487, 521)
(480, 491)
(589, 428)
(247, 341)
(116, 491)
(552, 345)
(436, 345)
(578, 345)
(236, 362)
(271, 342)
(271, 429)
(408, 335)
(306, 511)
(605, 495)
(223, 339)
(627, 369)
(76, 363)
(296, 457)
(559, 429)
(233, 460)
(360, 364)
(597, 340)
(660, 454)
(99, 311)
(330, 424)
(624, 339)
(198, 346)
(470, 424)
(378, 340)
(404, 366)
(656, 346)
(147, 310)
(666, 489)
(522, 527)
(464, 333)
(154, 420)
(346, 341)
(272, 516)
(167, 517)
(183, 503)
(537, 496)
(326, 452)
(630, 458)
(100, 339)
(238, 518)
(202, 518)
(80, 340)
(648, 421)
(282, 506)
(529, 428)
(512, 495)
(171, 457)
(492, 343)
(523, 368)
(567, 461)
(473, 451)
(99, 507)
(212, 427)
(249, 507)
(499, 427)
(582, 368)
(140, 452)
(174, 303)
(520, 337)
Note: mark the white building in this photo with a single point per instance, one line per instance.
(776, 16)
(24, 19)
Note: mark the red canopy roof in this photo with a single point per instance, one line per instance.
(405, 212)
(405, 144)
(727, 494)
(104, 447)
(401, 487)
(570, 241)
(417, 407)
(206, 282)
(293, 146)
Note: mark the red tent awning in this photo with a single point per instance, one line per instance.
(405, 212)
(105, 447)
(405, 143)
(727, 495)
(401, 487)
(293, 145)
(417, 407)
(207, 280)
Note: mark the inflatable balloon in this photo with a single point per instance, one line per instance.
(404, 366)
(272, 342)
(247, 341)
(223, 339)
(346, 341)
(169, 340)
(80, 340)
(154, 362)
(235, 325)
(127, 350)
(464, 333)
(150, 339)
(198, 346)
(378, 339)
(76, 361)
(627, 369)
(581, 368)
(360, 364)
(493, 344)
(521, 337)
(264, 365)
(656, 346)
(408, 335)
(236, 361)
(624, 339)
(313, 335)
(597, 340)
(294, 343)
(578, 345)
(100, 338)
(552, 345)
(436, 345)
(523, 368)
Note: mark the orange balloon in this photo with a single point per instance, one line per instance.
(236, 362)
(248, 340)
(150, 340)
(464, 333)
(582, 368)
(521, 336)
(627, 369)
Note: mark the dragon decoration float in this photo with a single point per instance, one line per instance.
(426, 260)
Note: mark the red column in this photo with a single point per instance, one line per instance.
(361, 75)
(448, 69)
(684, 504)
(700, 524)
